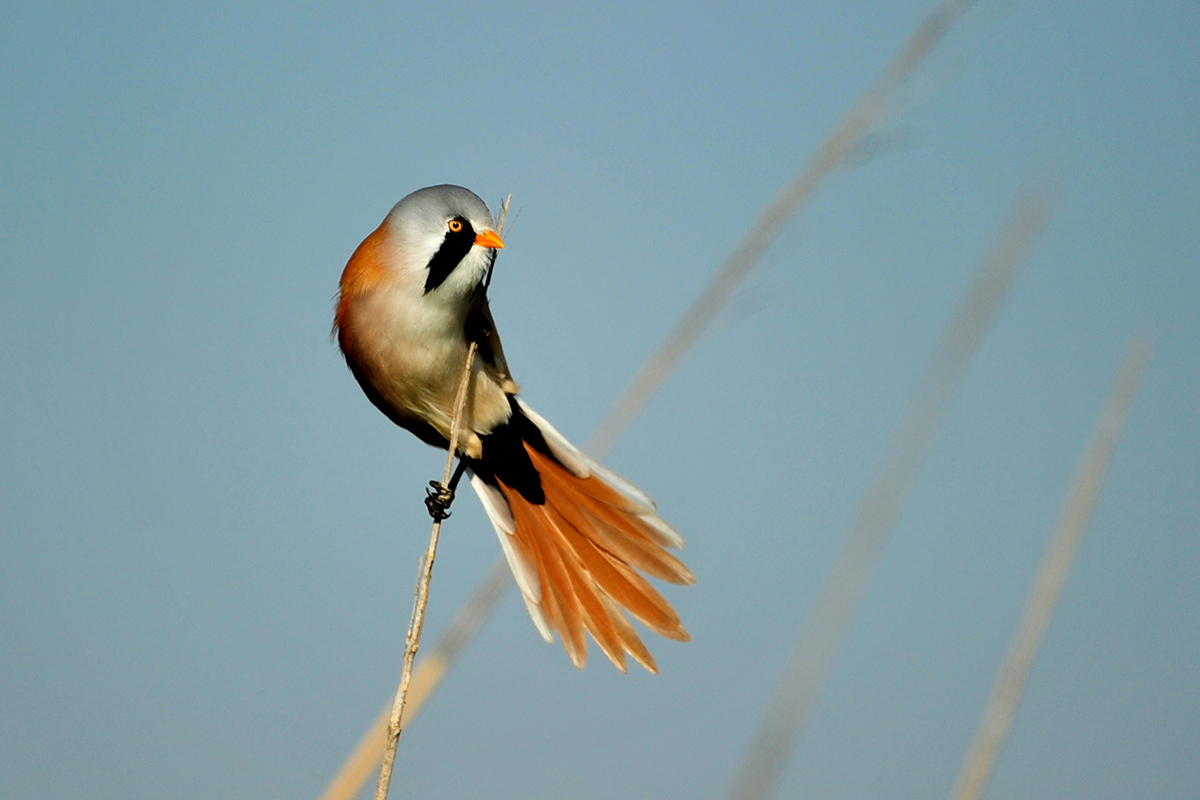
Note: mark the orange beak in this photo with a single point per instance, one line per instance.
(489, 239)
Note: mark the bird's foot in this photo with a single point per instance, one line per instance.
(438, 499)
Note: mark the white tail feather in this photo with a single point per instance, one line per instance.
(567, 454)
(581, 465)
(539, 619)
(526, 573)
(669, 534)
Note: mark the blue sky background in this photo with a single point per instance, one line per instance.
(208, 537)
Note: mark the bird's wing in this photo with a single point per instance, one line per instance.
(481, 329)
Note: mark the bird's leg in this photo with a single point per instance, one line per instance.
(439, 496)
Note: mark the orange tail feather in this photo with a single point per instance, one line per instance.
(589, 541)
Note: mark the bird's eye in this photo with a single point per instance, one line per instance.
(455, 225)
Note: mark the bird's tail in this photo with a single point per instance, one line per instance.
(577, 537)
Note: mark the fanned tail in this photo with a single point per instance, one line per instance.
(578, 538)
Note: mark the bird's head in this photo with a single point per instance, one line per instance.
(444, 237)
(439, 239)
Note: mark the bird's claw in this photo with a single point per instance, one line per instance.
(438, 499)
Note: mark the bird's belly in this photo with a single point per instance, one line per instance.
(415, 370)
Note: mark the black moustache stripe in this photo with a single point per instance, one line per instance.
(453, 250)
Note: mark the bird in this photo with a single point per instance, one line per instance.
(580, 539)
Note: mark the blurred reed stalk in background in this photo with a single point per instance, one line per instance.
(844, 586)
(840, 145)
(1073, 520)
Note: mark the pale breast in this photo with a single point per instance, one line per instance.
(412, 353)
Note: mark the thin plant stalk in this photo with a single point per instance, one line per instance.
(364, 761)
(998, 716)
(417, 621)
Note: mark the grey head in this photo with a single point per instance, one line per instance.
(443, 230)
